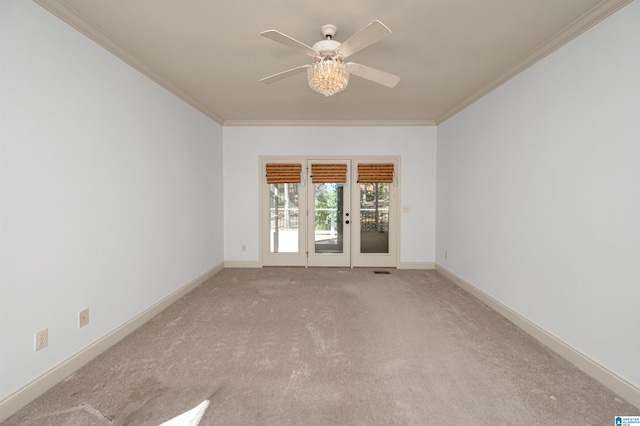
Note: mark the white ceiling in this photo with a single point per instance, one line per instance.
(447, 52)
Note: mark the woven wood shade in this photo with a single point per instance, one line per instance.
(283, 173)
(375, 173)
(325, 173)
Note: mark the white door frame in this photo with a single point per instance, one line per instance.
(357, 259)
(282, 259)
(389, 259)
(342, 259)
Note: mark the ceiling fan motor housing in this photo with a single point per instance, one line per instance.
(326, 47)
(329, 55)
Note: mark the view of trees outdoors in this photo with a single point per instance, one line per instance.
(374, 215)
(326, 205)
(374, 200)
(284, 217)
(374, 206)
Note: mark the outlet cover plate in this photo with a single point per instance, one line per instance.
(83, 317)
(41, 339)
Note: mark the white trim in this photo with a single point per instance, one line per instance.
(32, 390)
(339, 259)
(416, 265)
(603, 375)
(242, 264)
(392, 257)
(266, 258)
(598, 13)
(332, 123)
(63, 11)
(390, 260)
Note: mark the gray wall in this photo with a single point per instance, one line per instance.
(110, 191)
(539, 196)
(415, 145)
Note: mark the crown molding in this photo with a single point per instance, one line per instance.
(330, 123)
(66, 13)
(598, 13)
(602, 10)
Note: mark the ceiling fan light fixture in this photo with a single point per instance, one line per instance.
(328, 76)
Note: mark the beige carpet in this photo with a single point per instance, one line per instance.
(285, 346)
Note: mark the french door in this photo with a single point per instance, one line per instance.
(329, 217)
(375, 204)
(284, 212)
(329, 212)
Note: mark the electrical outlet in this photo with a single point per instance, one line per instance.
(41, 339)
(446, 254)
(244, 247)
(83, 317)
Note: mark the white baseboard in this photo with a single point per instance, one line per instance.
(242, 264)
(257, 264)
(14, 402)
(416, 265)
(611, 380)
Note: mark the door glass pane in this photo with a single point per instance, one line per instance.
(374, 218)
(284, 218)
(328, 229)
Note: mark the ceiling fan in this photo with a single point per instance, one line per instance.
(329, 74)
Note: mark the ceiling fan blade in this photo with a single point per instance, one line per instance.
(283, 74)
(377, 76)
(373, 32)
(288, 41)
